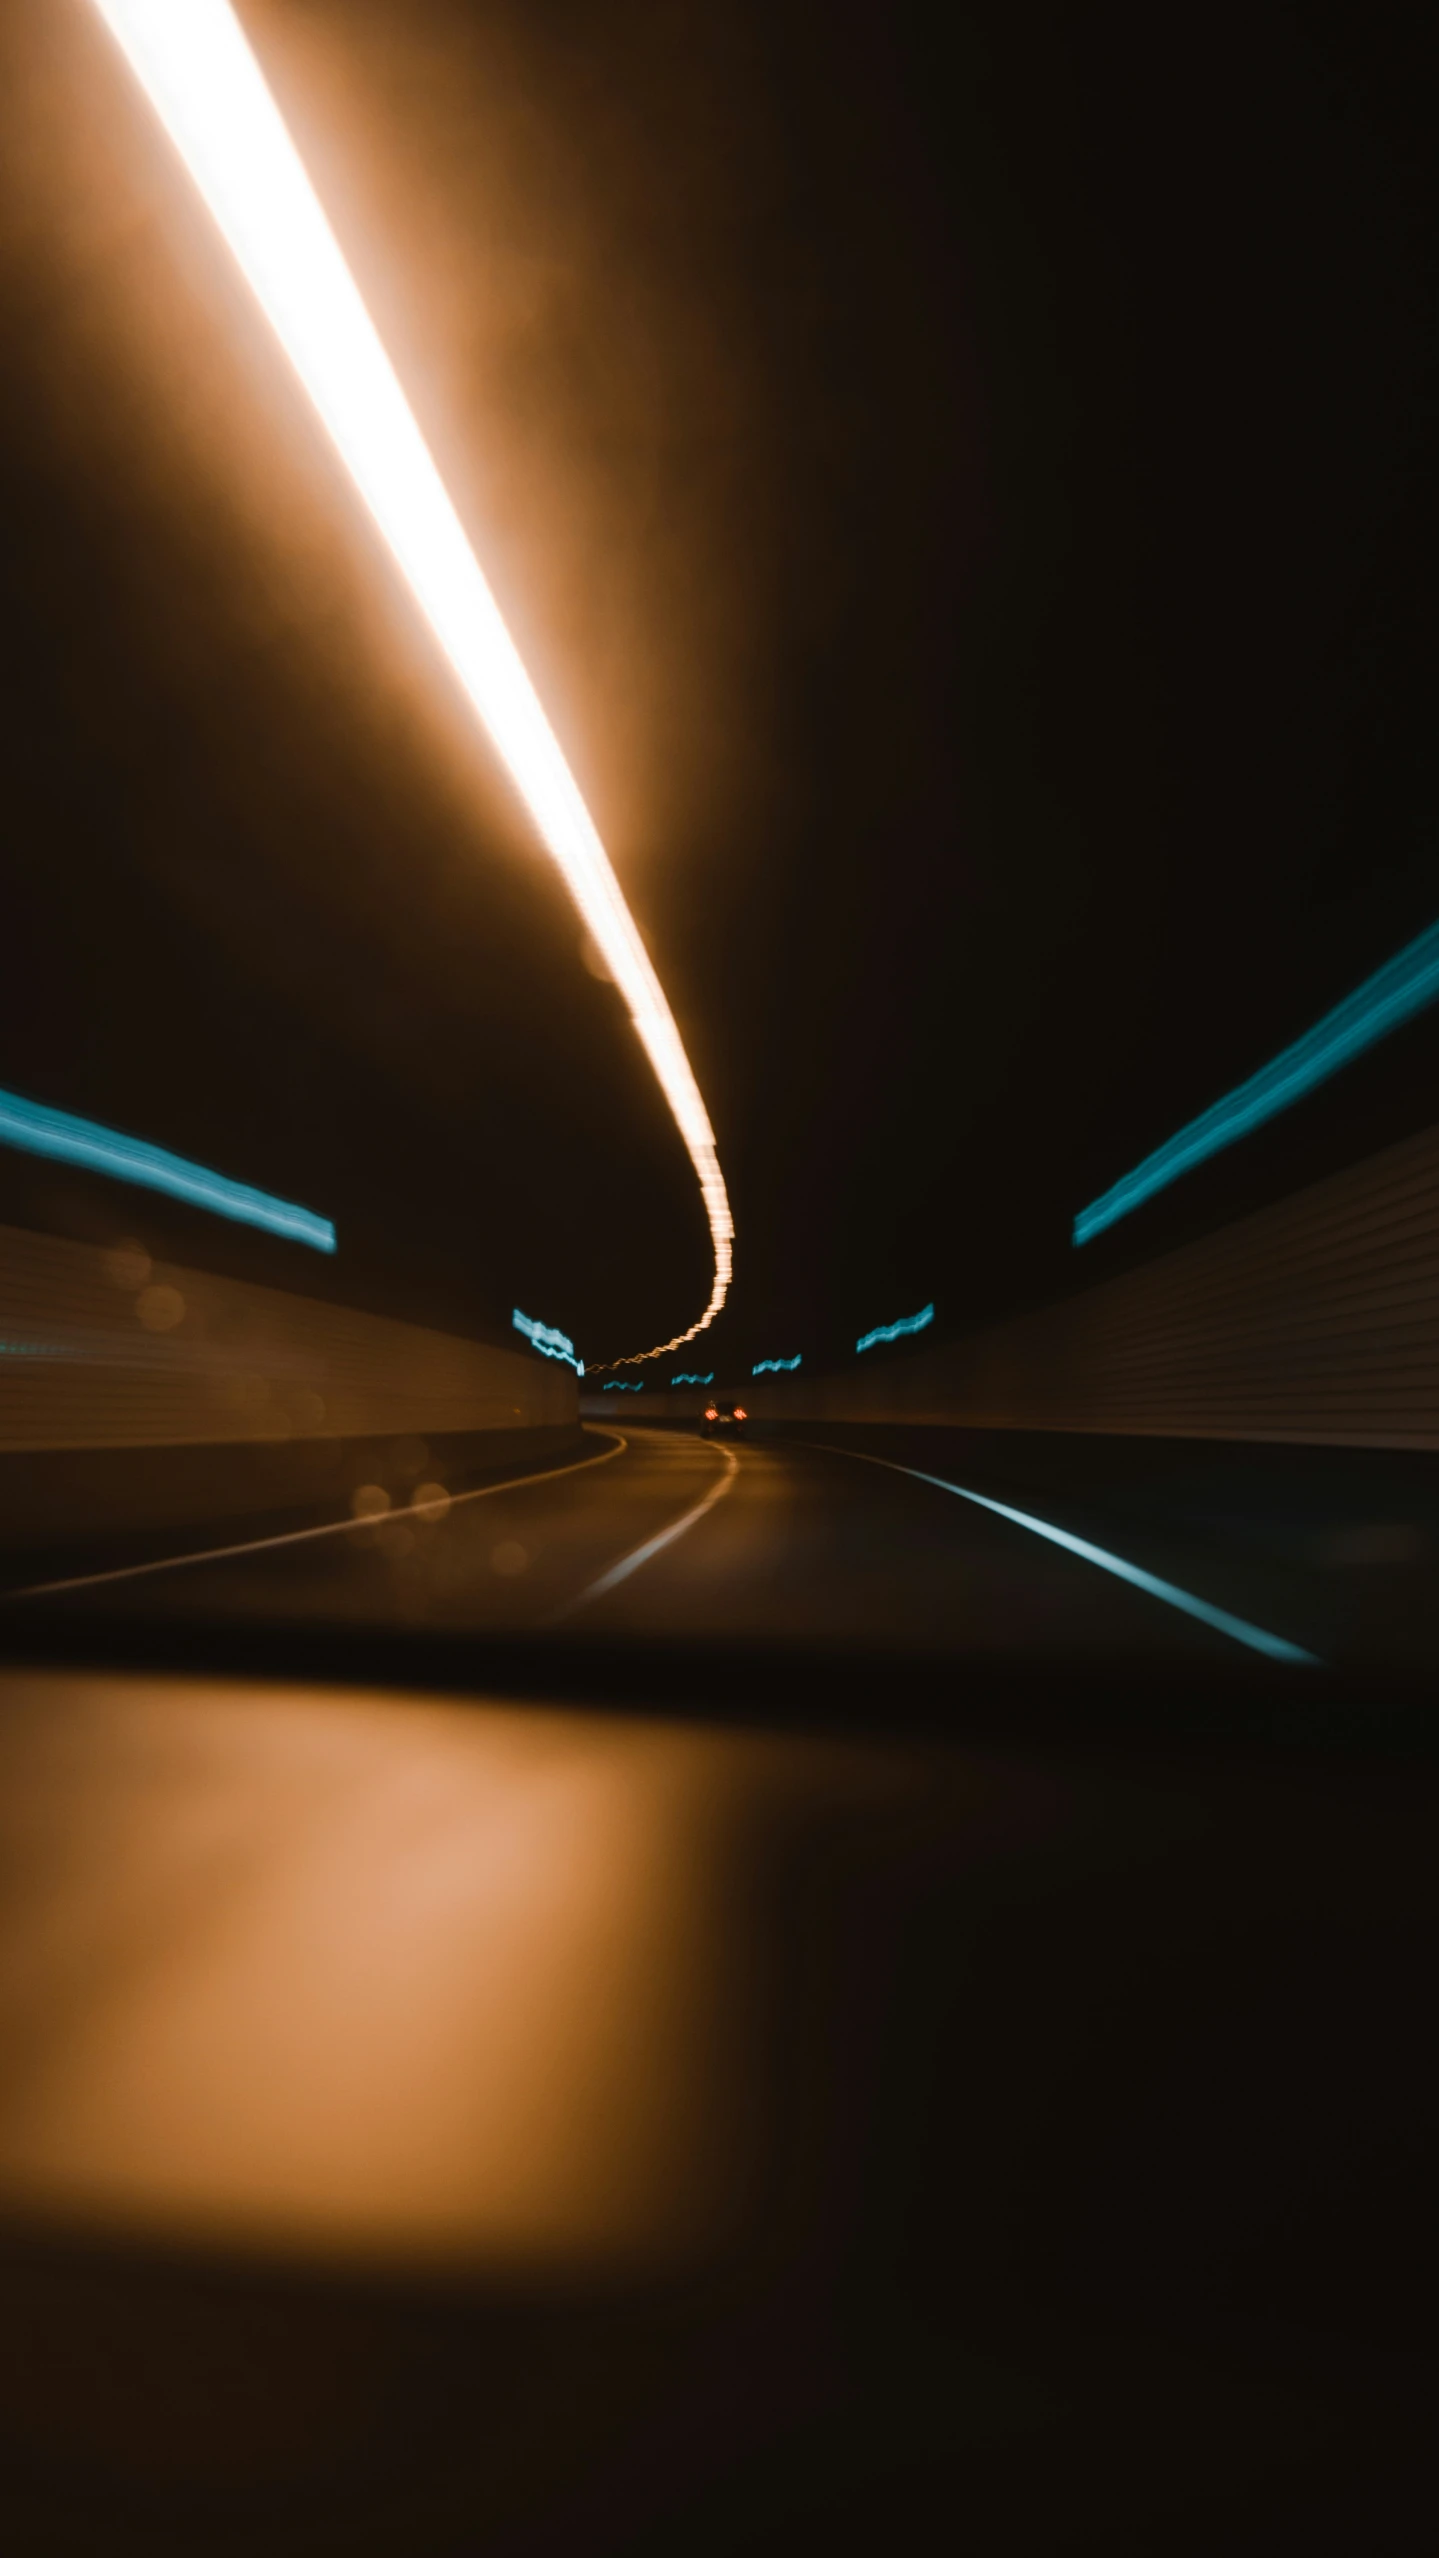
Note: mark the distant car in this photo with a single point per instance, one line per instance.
(723, 1421)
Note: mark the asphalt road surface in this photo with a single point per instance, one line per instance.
(929, 1541)
(944, 1542)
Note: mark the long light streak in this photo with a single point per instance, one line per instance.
(1404, 986)
(694, 1381)
(203, 80)
(35, 1129)
(895, 1331)
(546, 1339)
(760, 1365)
(1275, 1647)
(622, 1385)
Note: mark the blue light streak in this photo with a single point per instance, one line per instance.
(1274, 1646)
(761, 1364)
(34, 1129)
(621, 1385)
(894, 1331)
(552, 1344)
(694, 1381)
(1405, 985)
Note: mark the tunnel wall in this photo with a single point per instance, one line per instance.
(1314, 1319)
(137, 1394)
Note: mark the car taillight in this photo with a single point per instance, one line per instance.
(739, 1412)
(711, 1414)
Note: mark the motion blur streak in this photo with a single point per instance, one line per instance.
(36, 1130)
(207, 87)
(895, 1331)
(619, 1385)
(761, 1365)
(1273, 1646)
(642, 1554)
(694, 1381)
(1405, 985)
(548, 1339)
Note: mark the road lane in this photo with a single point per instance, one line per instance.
(436, 1503)
(1254, 1638)
(509, 1556)
(816, 1549)
(664, 1534)
(643, 1554)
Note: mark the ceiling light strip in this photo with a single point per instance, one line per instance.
(197, 68)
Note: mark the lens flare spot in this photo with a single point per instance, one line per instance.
(160, 1309)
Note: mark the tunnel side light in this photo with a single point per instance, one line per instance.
(34, 1128)
(1406, 985)
(548, 1340)
(895, 1331)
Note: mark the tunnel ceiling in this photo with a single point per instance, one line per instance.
(964, 500)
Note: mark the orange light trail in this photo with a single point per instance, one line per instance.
(204, 82)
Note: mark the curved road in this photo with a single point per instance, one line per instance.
(662, 1533)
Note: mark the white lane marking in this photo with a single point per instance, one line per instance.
(1273, 1645)
(652, 1546)
(331, 1527)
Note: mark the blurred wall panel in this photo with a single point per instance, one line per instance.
(106, 1349)
(1315, 1319)
(137, 1394)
